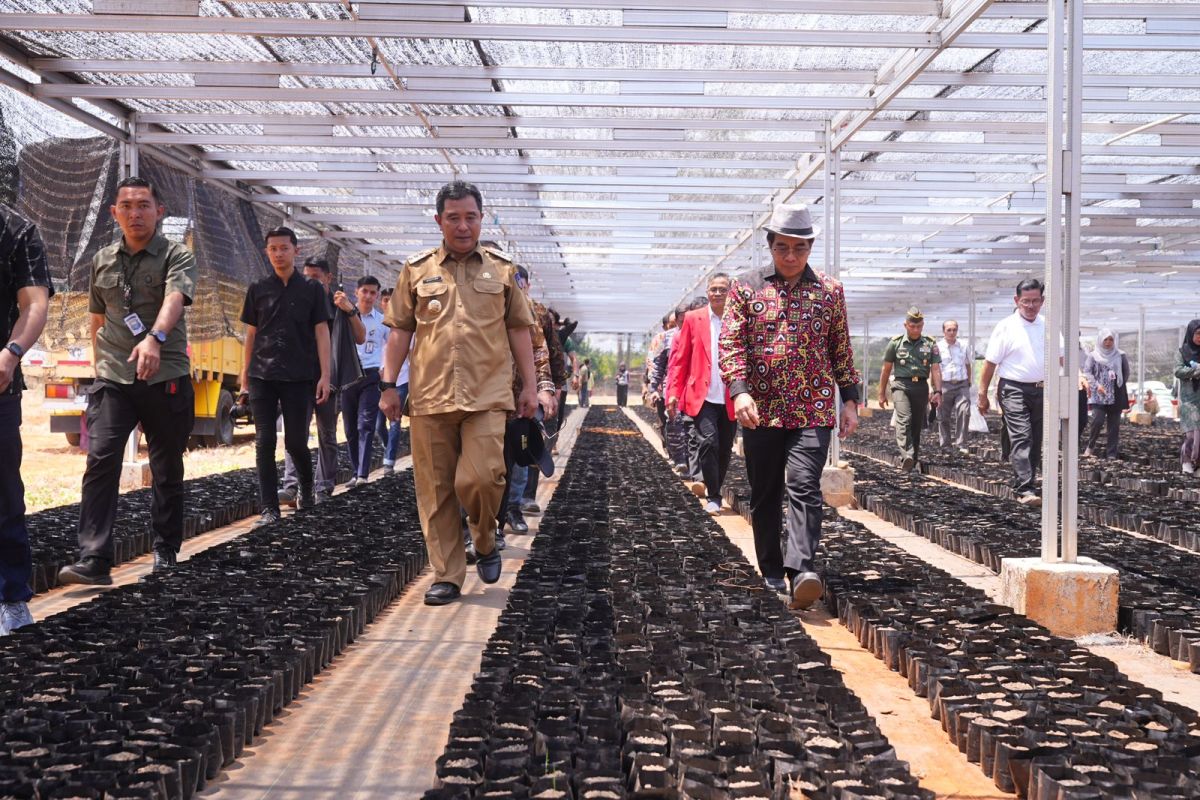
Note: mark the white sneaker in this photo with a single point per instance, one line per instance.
(13, 616)
(350, 484)
(1188, 469)
(712, 507)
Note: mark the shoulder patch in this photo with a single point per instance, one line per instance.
(498, 253)
(421, 256)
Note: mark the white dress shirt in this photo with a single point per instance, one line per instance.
(370, 352)
(1018, 348)
(956, 366)
(716, 386)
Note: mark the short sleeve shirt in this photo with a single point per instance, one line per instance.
(284, 317)
(22, 265)
(912, 358)
(125, 282)
(1017, 348)
(370, 352)
(460, 312)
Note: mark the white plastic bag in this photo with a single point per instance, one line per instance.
(978, 421)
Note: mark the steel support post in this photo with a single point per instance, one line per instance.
(1141, 373)
(971, 339)
(866, 375)
(830, 238)
(1060, 440)
(128, 150)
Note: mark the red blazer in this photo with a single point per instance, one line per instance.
(689, 370)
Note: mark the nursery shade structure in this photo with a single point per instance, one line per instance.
(627, 149)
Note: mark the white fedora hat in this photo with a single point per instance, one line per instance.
(792, 220)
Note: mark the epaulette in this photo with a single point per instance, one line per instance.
(421, 256)
(498, 253)
(898, 337)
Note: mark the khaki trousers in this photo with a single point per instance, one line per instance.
(458, 458)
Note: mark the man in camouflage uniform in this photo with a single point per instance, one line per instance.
(912, 362)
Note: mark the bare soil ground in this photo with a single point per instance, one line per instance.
(53, 470)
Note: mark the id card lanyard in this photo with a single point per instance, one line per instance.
(132, 320)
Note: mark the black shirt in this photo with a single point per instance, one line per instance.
(22, 264)
(285, 344)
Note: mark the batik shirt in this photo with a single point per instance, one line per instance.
(789, 348)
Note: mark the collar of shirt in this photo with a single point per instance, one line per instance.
(445, 255)
(808, 276)
(154, 247)
(291, 279)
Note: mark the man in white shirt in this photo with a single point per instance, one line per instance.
(1016, 352)
(694, 385)
(954, 413)
(360, 400)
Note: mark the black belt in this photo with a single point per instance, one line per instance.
(910, 379)
(1025, 384)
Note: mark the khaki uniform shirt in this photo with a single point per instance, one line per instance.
(912, 359)
(151, 274)
(460, 313)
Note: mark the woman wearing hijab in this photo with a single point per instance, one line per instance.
(1187, 370)
(1106, 369)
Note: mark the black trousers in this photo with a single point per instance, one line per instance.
(712, 437)
(16, 559)
(791, 459)
(622, 394)
(1022, 406)
(166, 412)
(294, 400)
(1109, 415)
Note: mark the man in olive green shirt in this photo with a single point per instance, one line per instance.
(912, 362)
(143, 375)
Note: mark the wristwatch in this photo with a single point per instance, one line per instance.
(15, 349)
(385, 385)
(159, 335)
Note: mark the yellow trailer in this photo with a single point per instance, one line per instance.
(216, 367)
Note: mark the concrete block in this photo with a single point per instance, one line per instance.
(1141, 418)
(865, 412)
(1069, 599)
(135, 475)
(837, 485)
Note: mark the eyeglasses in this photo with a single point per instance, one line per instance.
(718, 290)
(1037, 301)
(784, 251)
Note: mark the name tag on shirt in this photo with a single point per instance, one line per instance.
(134, 323)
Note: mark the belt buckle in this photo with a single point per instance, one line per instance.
(916, 378)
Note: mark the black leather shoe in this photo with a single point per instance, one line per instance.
(488, 567)
(89, 571)
(776, 585)
(500, 543)
(469, 544)
(164, 559)
(516, 521)
(442, 593)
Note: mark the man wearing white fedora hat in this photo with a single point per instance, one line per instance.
(785, 351)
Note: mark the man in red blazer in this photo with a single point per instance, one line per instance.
(694, 385)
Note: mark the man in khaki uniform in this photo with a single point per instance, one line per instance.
(460, 311)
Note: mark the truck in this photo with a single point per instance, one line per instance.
(67, 372)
